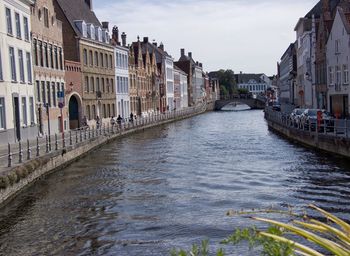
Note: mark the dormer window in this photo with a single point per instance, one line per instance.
(104, 35)
(81, 25)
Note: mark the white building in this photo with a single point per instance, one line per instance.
(121, 55)
(305, 50)
(338, 63)
(169, 78)
(183, 90)
(254, 83)
(17, 101)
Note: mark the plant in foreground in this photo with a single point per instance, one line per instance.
(331, 237)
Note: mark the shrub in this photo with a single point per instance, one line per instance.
(13, 178)
(4, 182)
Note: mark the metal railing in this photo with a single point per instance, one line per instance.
(19, 153)
(329, 127)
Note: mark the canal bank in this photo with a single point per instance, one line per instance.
(73, 147)
(332, 143)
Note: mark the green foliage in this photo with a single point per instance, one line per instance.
(13, 178)
(243, 91)
(4, 182)
(227, 80)
(223, 91)
(278, 240)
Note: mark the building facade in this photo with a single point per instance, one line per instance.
(338, 65)
(180, 89)
(254, 83)
(49, 70)
(87, 42)
(287, 75)
(17, 97)
(121, 55)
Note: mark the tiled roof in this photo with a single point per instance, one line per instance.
(78, 10)
(317, 9)
(245, 78)
(346, 19)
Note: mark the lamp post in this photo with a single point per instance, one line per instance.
(48, 123)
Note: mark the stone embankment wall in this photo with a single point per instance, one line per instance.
(20, 177)
(331, 144)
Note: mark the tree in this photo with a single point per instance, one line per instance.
(227, 80)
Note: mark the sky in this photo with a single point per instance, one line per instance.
(242, 35)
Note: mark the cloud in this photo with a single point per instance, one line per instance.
(248, 36)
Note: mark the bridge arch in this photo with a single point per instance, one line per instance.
(251, 102)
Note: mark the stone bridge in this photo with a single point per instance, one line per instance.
(258, 103)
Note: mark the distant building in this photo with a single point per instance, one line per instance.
(287, 75)
(254, 83)
(49, 69)
(180, 88)
(17, 98)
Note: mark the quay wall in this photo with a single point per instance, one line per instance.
(38, 168)
(330, 144)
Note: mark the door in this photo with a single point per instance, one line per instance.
(17, 118)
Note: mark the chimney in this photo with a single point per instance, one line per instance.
(155, 44)
(115, 35)
(197, 63)
(182, 52)
(89, 4)
(124, 39)
(105, 25)
(190, 55)
(161, 46)
(145, 40)
(201, 65)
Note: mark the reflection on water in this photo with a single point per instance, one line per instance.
(169, 187)
(235, 106)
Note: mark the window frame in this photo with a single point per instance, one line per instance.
(18, 25)
(21, 66)
(13, 64)
(9, 21)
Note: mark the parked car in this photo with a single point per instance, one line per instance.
(295, 116)
(276, 106)
(309, 119)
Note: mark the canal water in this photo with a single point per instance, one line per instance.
(169, 187)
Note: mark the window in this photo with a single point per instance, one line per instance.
(88, 113)
(2, 114)
(91, 61)
(345, 74)
(104, 111)
(13, 64)
(118, 84)
(113, 109)
(24, 111)
(51, 56)
(48, 91)
(101, 59)
(35, 52)
(92, 84)
(41, 59)
(110, 61)
(56, 58)
(1, 75)
(46, 55)
(38, 90)
(103, 84)
(85, 57)
(112, 85)
(331, 75)
(29, 67)
(98, 84)
(86, 84)
(43, 92)
(46, 17)
(31, 109)
(337, 44)
(106, 60)
(93, 111)
(18, 25)
(338, 73)
(61, 58)
(21, 65)
(9, 21)
(54, 95)
(26, 28)
(96, 59)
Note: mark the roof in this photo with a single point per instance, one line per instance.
(179, 70)
(185, 58)
(345, 17)
(317, 9)
(78, 10)
(245, 78)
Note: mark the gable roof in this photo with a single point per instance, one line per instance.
(317, 9)
(245, 78)
(345, 17)
(78, 10)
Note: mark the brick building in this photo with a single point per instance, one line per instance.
(87, 42)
